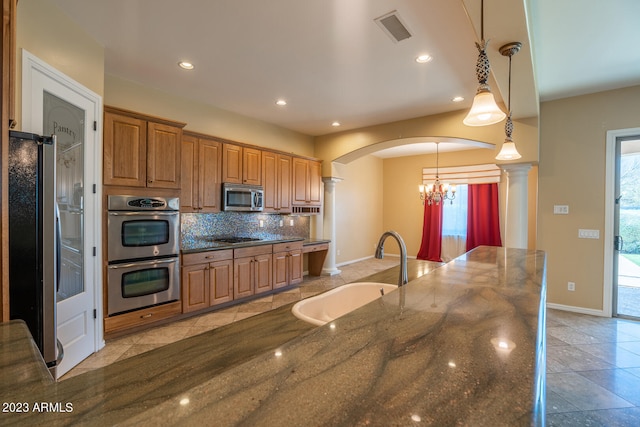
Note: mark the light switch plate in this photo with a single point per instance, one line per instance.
(561, 209)
(588, 234)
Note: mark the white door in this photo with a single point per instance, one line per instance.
(54, 104)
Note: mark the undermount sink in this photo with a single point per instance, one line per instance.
(330, 305)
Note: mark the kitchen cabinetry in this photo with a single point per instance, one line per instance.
(141, 151)
(307, 185)
(241, 165)
(201, 174)
(207, 279)
(287, 264)
(252, 270)
(276, 180)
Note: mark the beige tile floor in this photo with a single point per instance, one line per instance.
(593, 370)
(593, 363)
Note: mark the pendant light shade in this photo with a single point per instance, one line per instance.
(508, 152)
(484, 110)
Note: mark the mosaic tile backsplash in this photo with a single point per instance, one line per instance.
(242, 224)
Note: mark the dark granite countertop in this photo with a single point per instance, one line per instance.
(461, 345)
(208, 244)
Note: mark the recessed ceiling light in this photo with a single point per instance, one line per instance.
(457, 99)
(186, 65)
(335, 124)
(281, 102)
(423, 58)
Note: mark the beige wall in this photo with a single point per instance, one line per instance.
(204, 118)
(47, 33)
(359, 202)
(572, 172)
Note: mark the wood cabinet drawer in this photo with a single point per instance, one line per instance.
(288, 246)
(141, 317)
(252, 251)
(207, 256)
(315, 248)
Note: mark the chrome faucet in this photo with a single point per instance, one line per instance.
(402, 280)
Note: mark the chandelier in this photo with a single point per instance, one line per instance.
(436, 192)
(484, 110)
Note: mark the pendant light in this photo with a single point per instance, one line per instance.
(484, 110)
(508, 150)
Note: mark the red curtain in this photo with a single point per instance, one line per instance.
(483, 216)
(431, 233)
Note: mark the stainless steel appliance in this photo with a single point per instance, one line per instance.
(34, 239)
(242, 197)
(143, 247)
(142, 227)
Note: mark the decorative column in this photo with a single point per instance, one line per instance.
(516, 222)
(329, 232)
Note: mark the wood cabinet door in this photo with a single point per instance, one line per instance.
(125, 147)
(231, 163)
(195, 287)
(263, 273)
(209, 174)
(243, 277)
(251, 166)
(164, 146)
(295, 267)
(221, 282)
(315, 182)
(284, 183)
(270, 181)
(280, 270)
(300, 191)
(189, 178)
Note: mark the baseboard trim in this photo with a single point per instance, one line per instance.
(580, 310)
(354, 261)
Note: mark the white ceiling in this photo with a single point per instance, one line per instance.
(331, 62)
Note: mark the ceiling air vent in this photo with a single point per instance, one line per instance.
(392, 25)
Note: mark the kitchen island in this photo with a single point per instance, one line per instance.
(462, 344)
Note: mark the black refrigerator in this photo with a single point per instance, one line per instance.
(34, 239)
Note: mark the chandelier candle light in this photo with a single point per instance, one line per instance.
(509, 150)
(484, 110)
(436, 192)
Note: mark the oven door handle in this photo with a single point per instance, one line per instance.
(144, 263)
(121, 213)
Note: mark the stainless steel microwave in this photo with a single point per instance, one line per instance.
(242, 197)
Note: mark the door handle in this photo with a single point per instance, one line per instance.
(618, 243)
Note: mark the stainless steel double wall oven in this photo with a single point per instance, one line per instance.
(143, 252)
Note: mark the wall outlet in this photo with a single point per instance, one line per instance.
(338, 252)
(261, 223)
(291, 222)
(560, 209)
(571, 286)
(281, 223)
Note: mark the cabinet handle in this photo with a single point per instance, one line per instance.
(146, 316)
